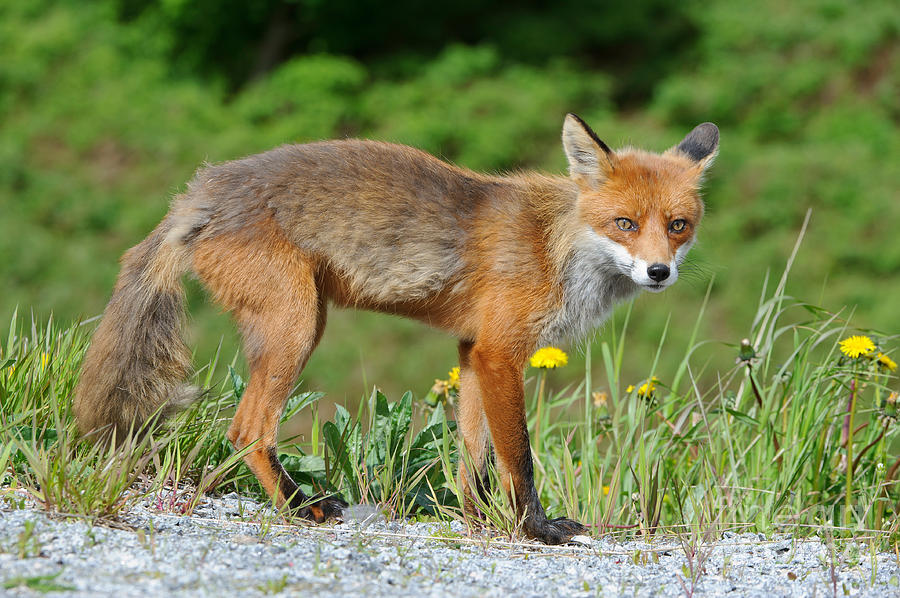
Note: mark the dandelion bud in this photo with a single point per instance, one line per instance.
(747, 352)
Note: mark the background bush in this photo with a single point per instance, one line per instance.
(107, 107)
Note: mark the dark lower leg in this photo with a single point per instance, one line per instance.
(500, 379)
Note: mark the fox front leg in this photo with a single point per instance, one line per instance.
(499, 375)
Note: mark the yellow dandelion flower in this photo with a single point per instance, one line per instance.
(45, 361)
(453, 379)
(886, 362)
(855, 346)
(549, 358)
(444, 388)
(646, 389)
(605, 490)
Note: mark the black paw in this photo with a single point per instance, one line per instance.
(322, 508)
(553, 531)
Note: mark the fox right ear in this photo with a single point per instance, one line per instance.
(701, 144)
(590, 160)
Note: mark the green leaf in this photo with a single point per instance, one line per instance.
(379, 435)
(431, 435)
(237, 383)
(298, 403)
(438, 415)
(336, 443)
(38, 583)
(341, 417)
(401, 418)
(382, 415)
(303, 463)
(742, 417)
(26, 433)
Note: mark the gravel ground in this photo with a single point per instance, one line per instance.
(231, 547)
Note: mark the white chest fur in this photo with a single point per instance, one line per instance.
(593, 283)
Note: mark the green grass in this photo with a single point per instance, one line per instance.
(103, 120)
(793, 435)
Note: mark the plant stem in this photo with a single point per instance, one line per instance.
(540, 412)
(848, 429)
(870, 445)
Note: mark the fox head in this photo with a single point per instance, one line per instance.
(641, 209)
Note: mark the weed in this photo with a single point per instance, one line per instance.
(274, 586)
(27, 545)
(38, 583)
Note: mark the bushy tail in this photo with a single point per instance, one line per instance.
(137, 362)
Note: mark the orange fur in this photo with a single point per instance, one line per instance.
(652, 192)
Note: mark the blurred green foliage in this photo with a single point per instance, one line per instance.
(240, 40)
(107, 107)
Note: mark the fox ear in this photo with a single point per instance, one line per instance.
(590, 160)
(701, 144)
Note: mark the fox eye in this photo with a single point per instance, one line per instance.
(625, 224)
(677, 226)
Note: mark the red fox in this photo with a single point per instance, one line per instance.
(505, 263)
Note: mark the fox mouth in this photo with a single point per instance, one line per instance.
(655, 287)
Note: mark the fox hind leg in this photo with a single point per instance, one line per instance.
(275, 364)
(270, 287)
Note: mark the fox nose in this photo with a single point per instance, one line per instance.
(658, 272)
